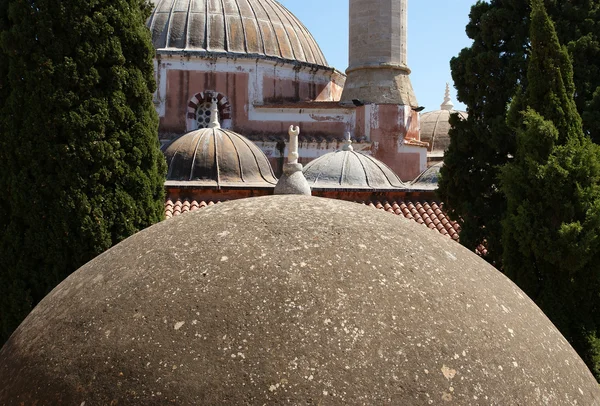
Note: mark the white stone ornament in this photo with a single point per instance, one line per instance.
(447, 104)
(347, 143)
(293, 155)
(214, 114)
(292, 181)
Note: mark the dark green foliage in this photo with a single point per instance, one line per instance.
(80, 162)
(592, 114)
(551, 241)
(486, 76)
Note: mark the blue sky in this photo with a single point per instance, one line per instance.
(436, 33)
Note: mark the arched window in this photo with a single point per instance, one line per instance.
(203, 114)
(198, 114)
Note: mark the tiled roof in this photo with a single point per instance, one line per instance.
(429, 213)
(423, 212)
(175, 208)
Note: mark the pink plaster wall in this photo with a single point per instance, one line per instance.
(389, 128)
(286, 90)
(407, 166)
(359, 123)
(332, 92)
(182, 85)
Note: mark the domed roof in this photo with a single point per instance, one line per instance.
(435, 125)
(240, 27)
(290, 300)
(348, 169)
(216, 157)
(428, 179)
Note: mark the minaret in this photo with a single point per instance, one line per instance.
(378, 72)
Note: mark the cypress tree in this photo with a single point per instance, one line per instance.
(551, 241)
(487, 75)
(81, 166)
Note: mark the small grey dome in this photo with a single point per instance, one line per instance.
(216, 157)
(290, 300)
(435, 126)
(348, 169)
(428, 179)
(240, 27)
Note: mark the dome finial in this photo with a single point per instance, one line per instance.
(447, 104)
(293, 156)
(292, 182)
(347, 143)
(214, 115)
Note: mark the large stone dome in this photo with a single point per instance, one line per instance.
(348, 169)
(216, 157)
(290, 300)
(237, 27)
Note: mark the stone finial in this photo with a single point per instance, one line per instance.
(347, 143)
(292, 182)
(447, 104)
(214, 114)
(293, 156)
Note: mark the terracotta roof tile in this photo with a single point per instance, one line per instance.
(428, 213)
(182, 206)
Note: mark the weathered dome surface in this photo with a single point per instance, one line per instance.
(435, 125)
(216, 157)
(428, 179)
(290, 300)
(347, 169)
(241, 27)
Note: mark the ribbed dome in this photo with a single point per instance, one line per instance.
(428, 179)
(435, 125)
(216, 157)
(241, 27)
(348, 169)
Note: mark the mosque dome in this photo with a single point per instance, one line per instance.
(348, 169)
(435, 126)
(290, 300)
(253, 28)
(216, 157)
(428, 179)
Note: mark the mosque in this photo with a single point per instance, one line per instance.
(290, 299)
(267, 72)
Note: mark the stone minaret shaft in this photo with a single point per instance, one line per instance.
(378, 71)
